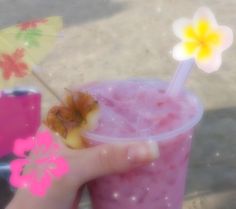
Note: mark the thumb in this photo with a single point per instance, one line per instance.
(97, 161)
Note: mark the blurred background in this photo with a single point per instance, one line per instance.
(133, 38)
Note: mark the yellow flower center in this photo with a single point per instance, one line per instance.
(201, 39)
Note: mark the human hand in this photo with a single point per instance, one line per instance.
(85, 165)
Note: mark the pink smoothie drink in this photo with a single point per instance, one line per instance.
(136, 110)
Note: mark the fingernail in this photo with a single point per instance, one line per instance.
(139, 153)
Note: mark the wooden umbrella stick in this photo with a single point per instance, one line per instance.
(46, 86)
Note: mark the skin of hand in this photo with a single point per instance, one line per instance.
(85, 165)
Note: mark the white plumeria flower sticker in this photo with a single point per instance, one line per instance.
(202, 39)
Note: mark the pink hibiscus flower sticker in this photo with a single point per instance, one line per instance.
(31, 24)
(36, 171)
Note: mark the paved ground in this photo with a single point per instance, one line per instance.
(124, 38)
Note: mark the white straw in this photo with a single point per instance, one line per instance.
(181, 75)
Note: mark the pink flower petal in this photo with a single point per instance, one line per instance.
(60, 168)
(17, 167)
(179, 53)
(212, 64)
(21, 146)
(40, 186)
(46, 139)
(206, 14)
(179, 26)
(227, 35)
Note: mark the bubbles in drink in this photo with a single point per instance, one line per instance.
(139, 108)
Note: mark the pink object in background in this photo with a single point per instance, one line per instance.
(19, 117)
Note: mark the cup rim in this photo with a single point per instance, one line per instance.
(168, 135)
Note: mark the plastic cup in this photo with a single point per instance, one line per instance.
(161, 184)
